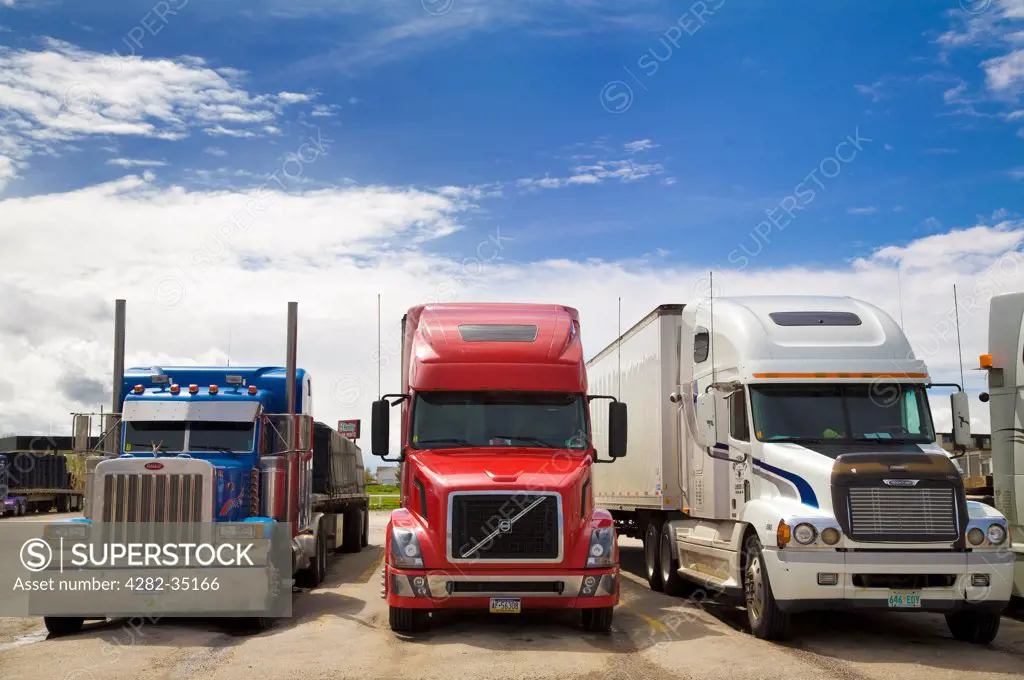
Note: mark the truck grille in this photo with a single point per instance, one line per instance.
(134, 504)
(481, 527)
(903, 514)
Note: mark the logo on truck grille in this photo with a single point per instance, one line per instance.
(901, 482)
(505, 526)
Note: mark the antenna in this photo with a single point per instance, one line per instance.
(899, 293)
(711, 337)
(619, 350)
(378, 346)
(959, 350)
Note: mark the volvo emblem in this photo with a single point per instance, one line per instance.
(901, 482)
(505, 526)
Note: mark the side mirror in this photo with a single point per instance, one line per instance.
(961, 414)
(380, 428)
(617, 429)
(706, 434)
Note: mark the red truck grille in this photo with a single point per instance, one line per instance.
(503, 526)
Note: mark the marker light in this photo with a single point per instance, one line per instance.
(193, 389)
(213, 389)
(782, 534)
(985, 360)
(175, 389)
(252, 389)
(138, 389)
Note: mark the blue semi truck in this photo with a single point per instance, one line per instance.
(202, 444)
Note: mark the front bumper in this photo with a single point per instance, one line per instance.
(794, 577)
(438, 589)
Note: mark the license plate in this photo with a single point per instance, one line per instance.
(506, 605)
(904, 599)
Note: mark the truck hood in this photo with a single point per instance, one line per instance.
(508, 467)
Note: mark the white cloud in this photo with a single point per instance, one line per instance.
(293, 97)
(640, 145)
(7, 171)
(1005, 73)
(135, 163)
(221, 131)
(272, 129)
(215, 151)
(601, 171)
(333, 250)
(668, 181)
(874, 90)
(867, 210)
(7, 3)
(323, 110)
(61, 93)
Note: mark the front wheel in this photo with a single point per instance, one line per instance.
(62, 625)
(979, 629)
(598, 620)
(672, 583)
(404, 620)
(767, 621)
(652, 556)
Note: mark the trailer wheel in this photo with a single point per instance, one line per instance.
(979, 629)
(652, 554)
(63, 504)
(351, 531)
(404, 620)
(767, 621)
(672, 583)
(62, 625)
(365, 540)
(598, 620)
(20, 510)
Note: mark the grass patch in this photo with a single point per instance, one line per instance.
(381, 489)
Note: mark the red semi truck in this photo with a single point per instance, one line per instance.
(497, 507)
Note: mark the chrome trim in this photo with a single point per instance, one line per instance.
(505, 492)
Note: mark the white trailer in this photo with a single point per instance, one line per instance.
(782, 450)
(1005, 365)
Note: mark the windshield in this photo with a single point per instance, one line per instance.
(497, 419)
(149, 436)
(853, 412)
(215, 436)
(176, 437)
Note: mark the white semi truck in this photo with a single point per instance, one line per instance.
(782, 450)
(1004, 363)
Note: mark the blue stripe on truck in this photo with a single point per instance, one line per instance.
(807, 496)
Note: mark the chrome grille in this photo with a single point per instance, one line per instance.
(903, 514)
(135, 504)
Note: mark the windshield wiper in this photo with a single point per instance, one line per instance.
(210, 447)
(524, 438)
(446, 440)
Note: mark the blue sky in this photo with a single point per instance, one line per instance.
(520, 110)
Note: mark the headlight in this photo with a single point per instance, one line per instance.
(976, 536)
(602, 547)
(996, 534)
(247, 530)
(405, 548)
(67, 530)
(804, 534)
(831, 536)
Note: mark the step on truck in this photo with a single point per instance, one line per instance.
(235, 446)
(34, 482)
(497, 505)
(782, 453)
(1004, 364)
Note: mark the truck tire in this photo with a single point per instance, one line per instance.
(253, 624)
(671, 582)
(598, 620)
(63, 504)
(62, 625)
(314, 575)
(20, 510)
(979, 629)
(404, 620)
(767, 621)
(352, 531)
(365, 539)
(652, 554)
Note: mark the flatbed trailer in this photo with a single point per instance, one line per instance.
(17, 502)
